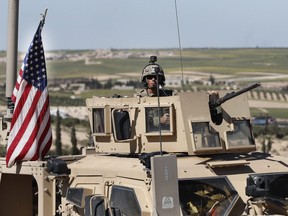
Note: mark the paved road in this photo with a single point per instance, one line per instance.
(267, 104)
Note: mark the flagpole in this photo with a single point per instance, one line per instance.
(12, 52)
(44, 15)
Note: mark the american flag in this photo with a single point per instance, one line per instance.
(30, 136)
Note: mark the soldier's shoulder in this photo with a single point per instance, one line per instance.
(167, 92)
(141, 93)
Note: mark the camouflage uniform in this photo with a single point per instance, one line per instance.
(162, 93)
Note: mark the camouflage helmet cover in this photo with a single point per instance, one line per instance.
(152, 69)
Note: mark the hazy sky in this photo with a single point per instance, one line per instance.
(104, 24)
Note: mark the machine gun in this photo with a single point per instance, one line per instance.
(268, 193)
(215, 102)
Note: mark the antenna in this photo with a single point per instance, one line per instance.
(157, 70)
(180, 48)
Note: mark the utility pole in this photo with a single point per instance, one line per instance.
(12, 52)
(11, 68)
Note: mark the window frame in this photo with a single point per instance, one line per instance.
(107, 121)
(172, 120)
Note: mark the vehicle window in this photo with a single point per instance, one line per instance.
(152, 119)
(204, 136)
(241, 135)
(210, 196)
(98, 120)
(121, 125)
(125, 199)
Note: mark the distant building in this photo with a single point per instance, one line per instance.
(123, 87)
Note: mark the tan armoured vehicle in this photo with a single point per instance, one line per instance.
(202, 162)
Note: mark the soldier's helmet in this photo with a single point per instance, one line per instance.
(153, 69)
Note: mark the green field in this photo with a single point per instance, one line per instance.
(221, 61)
(212, 61)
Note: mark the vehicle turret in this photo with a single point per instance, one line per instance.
(130, 125)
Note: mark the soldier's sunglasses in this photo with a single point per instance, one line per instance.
(149, 77)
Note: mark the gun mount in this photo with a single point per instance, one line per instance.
(215, 102)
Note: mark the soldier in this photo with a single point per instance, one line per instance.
(150, 82)
(150, 73)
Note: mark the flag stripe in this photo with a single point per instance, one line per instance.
(14, 136)
(44, 134)
(39, 130)
(17, 85)
(45, 147)
(27, 126)
(22, 116)
(20, 105)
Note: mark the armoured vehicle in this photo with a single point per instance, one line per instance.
(200, 162)
(203, 162)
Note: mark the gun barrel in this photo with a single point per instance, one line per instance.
(231, 95)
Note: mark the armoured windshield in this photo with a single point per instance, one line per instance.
(210, 196)
(124, 198)
(241, 135)
(204, 136)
